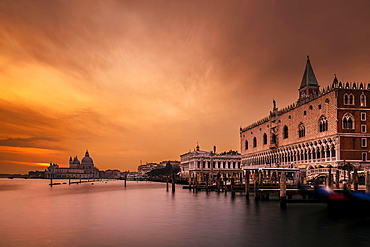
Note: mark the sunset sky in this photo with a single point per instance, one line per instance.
(146, 80)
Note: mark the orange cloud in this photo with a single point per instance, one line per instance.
(146, 80)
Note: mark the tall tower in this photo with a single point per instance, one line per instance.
(309, 85)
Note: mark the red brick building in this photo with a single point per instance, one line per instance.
(325, 127)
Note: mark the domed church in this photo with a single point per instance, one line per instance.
(86, 163)
(77, 169)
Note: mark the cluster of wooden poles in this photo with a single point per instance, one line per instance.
(261, 182)
(332, 180)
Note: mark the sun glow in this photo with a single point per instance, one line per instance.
(40, 164)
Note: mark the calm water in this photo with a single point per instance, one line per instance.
(144, 214)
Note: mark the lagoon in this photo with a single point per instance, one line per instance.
(144, 214)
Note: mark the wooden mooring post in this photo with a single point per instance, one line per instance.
(247, 184)
(167, 183)
(256, 187)
(218, 182)
(330, 179)
(196, 182)
(349, 185)
(225, 184)
(189, 181)
(355, 180)
(232, 184)
(207, 181)
(283, 190)
(173, 183)
(337, 176)
(367, 182)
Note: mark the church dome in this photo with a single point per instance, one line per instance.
(87, 160)
(76, 161)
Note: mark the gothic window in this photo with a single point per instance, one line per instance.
(345, 100)
(351, 99)
(285, 132)
(323, 124)
(301, 130)
(332, 151)
(362, 100)
(348, 121)
(254, 142)
(246, 145)
(264, 139)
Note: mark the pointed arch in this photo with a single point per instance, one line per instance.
(323, 123)
(264, 139)
(348, 121)
(301, 130)
(351, 99)
(363, 99)
(345, 99)
(285, 132)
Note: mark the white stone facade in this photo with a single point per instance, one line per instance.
(209, 162)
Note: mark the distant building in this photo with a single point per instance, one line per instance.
(173, 163)
(36, 174)
(324, 128)
(113, 174)
(209, 162)
(85, 169)
(143, 169)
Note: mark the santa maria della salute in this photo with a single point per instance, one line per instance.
(324, 128)
(77, 169)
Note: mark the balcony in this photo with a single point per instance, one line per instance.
(273, 146)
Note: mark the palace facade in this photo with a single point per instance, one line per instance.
(209, 162)
(326, 127)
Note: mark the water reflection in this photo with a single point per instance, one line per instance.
(144, 214)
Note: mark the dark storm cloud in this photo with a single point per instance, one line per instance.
(33, 142)
(241, 37)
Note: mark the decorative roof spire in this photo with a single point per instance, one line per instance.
(87, 153)
(335, 78)
(309, 78)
